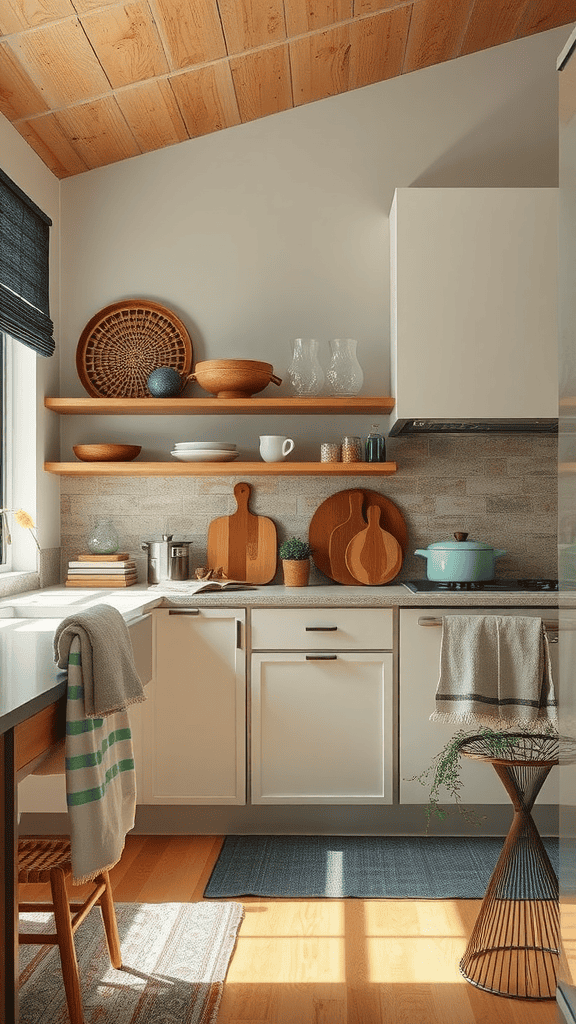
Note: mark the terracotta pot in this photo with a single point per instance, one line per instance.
(296, 572)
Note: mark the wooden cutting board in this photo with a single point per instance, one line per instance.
(335, 510)
(374, 556)
(243, 544)
(340, 538)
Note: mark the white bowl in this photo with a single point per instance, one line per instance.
(213, 455)
(221, 446)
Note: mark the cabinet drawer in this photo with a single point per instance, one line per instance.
(319, 629)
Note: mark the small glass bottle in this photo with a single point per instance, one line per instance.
(375, 447)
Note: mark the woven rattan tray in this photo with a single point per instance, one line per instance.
(124, 342)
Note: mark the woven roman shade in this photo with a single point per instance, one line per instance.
(24, 245)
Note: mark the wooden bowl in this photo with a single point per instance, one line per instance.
(106, 452)
(234, 378)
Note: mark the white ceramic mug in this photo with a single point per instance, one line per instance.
(274, 448)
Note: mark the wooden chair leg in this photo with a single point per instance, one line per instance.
(66, 946)
(110, 924)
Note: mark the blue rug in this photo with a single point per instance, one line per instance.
(367, 867)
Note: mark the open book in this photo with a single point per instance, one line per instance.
(199, 586)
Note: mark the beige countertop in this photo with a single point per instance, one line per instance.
(62, 601)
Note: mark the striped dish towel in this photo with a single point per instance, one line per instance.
(100, 780)
(495, 670)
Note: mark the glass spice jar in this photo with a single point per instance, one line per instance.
(330, 452)
(351, 449)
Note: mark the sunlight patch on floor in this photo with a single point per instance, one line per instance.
(293, 960)
(288, 918)
(414, 917)
(414, 960)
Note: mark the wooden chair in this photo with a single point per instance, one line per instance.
(48, 860)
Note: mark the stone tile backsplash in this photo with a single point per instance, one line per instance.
(499, 488)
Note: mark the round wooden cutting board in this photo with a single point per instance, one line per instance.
(335, 510)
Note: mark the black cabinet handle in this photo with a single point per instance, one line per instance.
(321, 657)
(321, 629)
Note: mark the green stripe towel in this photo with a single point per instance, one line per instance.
(100, 780)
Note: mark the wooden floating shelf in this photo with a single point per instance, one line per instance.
(359, 404)
(221, 468)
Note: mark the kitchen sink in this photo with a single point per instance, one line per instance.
(31, 611)
(47, 607)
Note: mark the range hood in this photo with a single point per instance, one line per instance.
(491, 426)
(474, 284)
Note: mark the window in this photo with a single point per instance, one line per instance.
(18, 450)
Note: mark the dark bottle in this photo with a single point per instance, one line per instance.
(375, 446)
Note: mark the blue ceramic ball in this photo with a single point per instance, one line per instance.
(164, 382)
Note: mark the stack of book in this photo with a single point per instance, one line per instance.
(102, 571)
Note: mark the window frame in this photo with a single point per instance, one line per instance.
(19, 438)
(6, 446)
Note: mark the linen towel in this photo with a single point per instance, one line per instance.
(109, 674)
(100, 779)
(495, 670)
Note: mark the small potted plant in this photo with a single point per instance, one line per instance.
(295, 555)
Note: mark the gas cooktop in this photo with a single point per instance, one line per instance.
(429, 586)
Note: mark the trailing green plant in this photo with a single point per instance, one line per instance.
(295, 550)
(443, 773)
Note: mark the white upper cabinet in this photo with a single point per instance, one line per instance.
(474, 277)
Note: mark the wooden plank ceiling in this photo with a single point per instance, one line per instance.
(90, 82)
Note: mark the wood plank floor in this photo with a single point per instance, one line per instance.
(327, 961)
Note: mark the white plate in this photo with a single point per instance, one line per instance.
(213, 455)
(221, 446)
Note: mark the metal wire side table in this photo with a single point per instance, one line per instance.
(514, 948)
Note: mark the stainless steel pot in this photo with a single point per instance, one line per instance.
(460, 560)
(167, 559)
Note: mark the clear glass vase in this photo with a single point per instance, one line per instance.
(345, 377)
(305, 372)
(103, 538)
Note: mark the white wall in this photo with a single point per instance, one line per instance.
(279, 228)
(38, 492)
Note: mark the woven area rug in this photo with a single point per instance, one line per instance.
(368, 867)
(175, 957)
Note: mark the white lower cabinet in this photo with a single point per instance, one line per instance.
(321, 719)
(194, 722)
(421, 739)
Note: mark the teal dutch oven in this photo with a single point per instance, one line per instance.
(460, 560)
